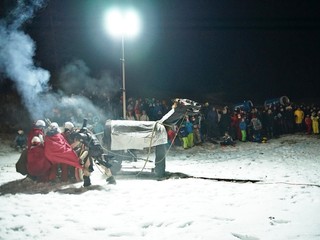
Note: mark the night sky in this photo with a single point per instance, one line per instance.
(192, 49)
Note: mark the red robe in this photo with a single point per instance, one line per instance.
(37, 164)
(58, 150)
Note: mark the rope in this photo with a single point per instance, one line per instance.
(99, 168)
(164, 157)
(149, 149)
(99, 133)
(173, 139)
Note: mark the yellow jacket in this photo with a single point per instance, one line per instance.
(299, 116)
(315, 124)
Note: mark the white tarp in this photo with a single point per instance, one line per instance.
(127, 134)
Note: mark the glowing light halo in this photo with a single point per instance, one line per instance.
(122, 23)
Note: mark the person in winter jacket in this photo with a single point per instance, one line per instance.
(225, 120)
(299, 116)
(130, 116)
(256, 127)
(20, 141)
(157, 110)
(171, 135)
(144, 116)
(183, 135)
(227, 140)
(280, 119)
(203, 122)
(137, 109)
(289, 119)
(243, 129)
(269, 123)
(189, 129)
(234, 130)
(315, 123)
(213, 123)
(308, 123)
(196, 122)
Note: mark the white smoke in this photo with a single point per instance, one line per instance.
(16, 57)
(76, 78)
(17, 50)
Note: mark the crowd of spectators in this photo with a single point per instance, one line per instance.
(225, 124)
(212, 124)
(257, 124)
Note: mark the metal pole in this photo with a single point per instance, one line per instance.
(123, 82)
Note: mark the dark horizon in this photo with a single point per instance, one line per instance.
(237, 49)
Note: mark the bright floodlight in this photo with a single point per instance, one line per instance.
(123, 23)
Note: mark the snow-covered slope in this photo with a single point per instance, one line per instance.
(284, 205)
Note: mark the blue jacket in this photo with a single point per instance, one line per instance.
(183, 132)
(189, 127)
(243, 126)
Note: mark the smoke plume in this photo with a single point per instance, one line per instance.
(75, 78)
(16, 57)
(17, 50)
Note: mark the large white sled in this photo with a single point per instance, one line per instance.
(128, 134)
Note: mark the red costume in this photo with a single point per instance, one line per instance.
(37, 164)
(65, 168)
(58, 150)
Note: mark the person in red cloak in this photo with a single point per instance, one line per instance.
(22, 164)
(57, 150)
(36, 131)
(67, 171)
(39, 168)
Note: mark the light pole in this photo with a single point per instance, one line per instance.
(124, 107)
(123, 23)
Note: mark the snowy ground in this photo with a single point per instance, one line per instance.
(284, 205)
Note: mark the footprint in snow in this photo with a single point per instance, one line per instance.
(278, 221)
(244, 237)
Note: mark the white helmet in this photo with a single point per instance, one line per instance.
(35, 140)
(55, 126)
(40, 123)
(68, 125)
